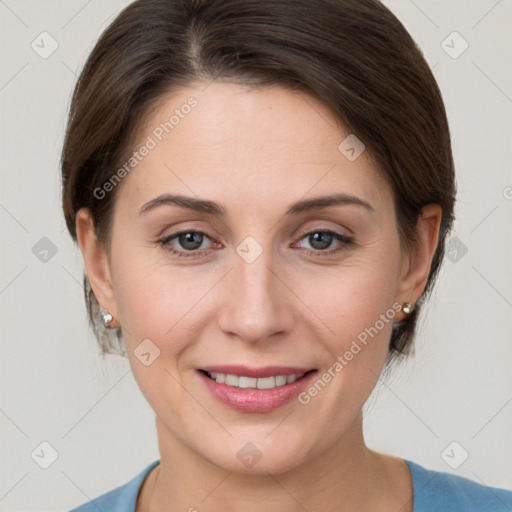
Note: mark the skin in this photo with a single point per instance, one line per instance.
(256, 151)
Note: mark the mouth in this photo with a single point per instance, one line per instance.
(255, 390)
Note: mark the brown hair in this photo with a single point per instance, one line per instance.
(353, 55)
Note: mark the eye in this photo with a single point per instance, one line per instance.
(320, 240)
(189, 240)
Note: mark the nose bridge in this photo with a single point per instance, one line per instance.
(256, 305)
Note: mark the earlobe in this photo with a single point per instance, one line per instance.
(96, 262)
(420, 255)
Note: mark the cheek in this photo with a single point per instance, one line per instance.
(158, 300)
(357, 303)
(351, 298)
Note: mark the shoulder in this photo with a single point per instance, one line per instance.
(120, 499)
(440, 491)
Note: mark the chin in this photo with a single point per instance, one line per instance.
(258, 454)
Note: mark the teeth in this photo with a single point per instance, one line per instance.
(231, 380)
(267, 382)
(247, 382)
(253, 382)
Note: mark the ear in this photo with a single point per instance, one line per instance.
(417, 260)
(96, 263)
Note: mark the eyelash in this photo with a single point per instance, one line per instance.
(346, 241)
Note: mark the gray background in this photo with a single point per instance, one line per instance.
(55, 388)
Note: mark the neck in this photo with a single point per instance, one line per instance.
(348, 476)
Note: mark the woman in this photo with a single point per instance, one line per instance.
(261, 191)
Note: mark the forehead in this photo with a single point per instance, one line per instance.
(270, 112)
(223, 139)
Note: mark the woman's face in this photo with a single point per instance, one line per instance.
(269, 288)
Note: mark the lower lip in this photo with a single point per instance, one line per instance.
(256, 400)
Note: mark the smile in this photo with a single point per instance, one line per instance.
(255, 389)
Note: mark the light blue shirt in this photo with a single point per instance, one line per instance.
(434, 491)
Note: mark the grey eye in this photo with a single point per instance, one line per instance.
(320, 240)
(190, 240)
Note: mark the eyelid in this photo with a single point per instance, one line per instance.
(316, 229)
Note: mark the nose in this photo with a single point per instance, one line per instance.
(257, 306)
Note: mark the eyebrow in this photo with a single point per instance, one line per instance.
(213, 208)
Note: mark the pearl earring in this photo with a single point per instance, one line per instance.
(407, 308)
(107, 317)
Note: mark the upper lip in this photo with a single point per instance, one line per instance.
(264, 371)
